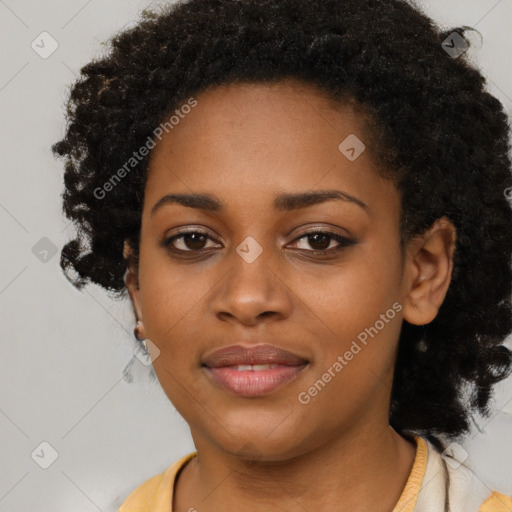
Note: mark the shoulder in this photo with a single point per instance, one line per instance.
(155, 494)
(467, 492)
(496, 502)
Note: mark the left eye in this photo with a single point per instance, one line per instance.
(322, 240)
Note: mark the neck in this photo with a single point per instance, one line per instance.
(365, 469)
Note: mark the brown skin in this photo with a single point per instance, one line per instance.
(245, 144)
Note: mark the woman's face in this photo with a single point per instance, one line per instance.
(252, 276)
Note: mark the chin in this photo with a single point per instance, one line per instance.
(253, 444)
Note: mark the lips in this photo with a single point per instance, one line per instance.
(253, 371)
(235, 355)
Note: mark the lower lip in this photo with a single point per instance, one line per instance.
(250, 383)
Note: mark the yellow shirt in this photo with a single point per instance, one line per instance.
(423, 492)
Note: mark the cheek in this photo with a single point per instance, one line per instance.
(357, 291)
(168, 290)
(358, 302)
(171, 299)
(173, 320)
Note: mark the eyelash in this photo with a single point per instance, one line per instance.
(343, 241)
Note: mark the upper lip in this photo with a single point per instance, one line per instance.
(258, 354)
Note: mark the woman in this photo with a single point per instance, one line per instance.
(306, 202)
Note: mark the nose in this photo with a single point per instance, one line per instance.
(252, 291)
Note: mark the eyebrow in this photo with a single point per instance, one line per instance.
(282, 202)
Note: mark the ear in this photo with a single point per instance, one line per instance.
(429, 264)
(131, 280)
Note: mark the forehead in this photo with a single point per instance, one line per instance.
(263, 109)
(250, 142)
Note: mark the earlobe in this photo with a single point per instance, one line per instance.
(429, 267)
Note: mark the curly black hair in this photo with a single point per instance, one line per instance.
(430, 126)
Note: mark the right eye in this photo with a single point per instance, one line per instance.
(190, 241)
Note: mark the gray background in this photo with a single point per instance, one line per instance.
(63, 353)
